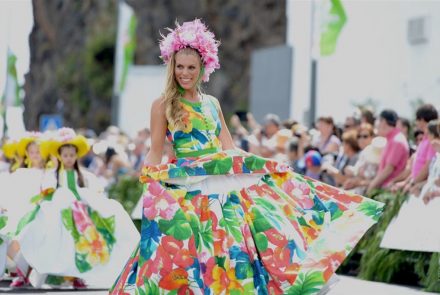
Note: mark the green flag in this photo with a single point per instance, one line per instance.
(125, 45)
(11, 102)
(11, 94)
(129, 49)
(333, 24)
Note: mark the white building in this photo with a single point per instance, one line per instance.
(388, 51)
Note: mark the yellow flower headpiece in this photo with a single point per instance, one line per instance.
(10, 148)
(27, 139)
(67, 136)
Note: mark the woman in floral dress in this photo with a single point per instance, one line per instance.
(223, 221)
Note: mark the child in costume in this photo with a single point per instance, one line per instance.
(21, 185)
(25, 182)
(75, 231)
(10, 152)
(223, 221)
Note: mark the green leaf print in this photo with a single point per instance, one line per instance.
(303, 222)
(102, 222)
(25, 220)
(150, 288)
(105, 226)
(372, 209)
(260, 222)
(307, 284)
(261, 242)
(81, 263)
(231, 222)
(68, 222)
(3, 221)
(220, 261)
(249, 289)
(254, 163)
(206, 234)
(218, 166)
(55, 280)
(178, 227)
(195, 226)
(265, 204)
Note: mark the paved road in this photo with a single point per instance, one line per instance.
(345, 286)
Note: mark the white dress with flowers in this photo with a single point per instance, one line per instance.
(77, 232)
(18, 189)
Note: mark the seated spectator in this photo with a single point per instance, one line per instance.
(293, 156)
(351, 123)
(431, 189)
(367, 116)
(263, 141)
(238, 132)
(415, 227)
(364, 139)
(313, 161)
(327, 142)
(404, 126)
(395, 154)
(347, 158)
(366, 167)
(424, 152)
(282, 137)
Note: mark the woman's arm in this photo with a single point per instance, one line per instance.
(158, 126)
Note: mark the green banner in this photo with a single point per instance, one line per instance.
(129, 49)
(336, 20)
(11, 94)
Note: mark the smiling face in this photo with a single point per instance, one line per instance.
(187, 68)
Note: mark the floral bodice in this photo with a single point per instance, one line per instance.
(203, 126)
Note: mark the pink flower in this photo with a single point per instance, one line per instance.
(157, 201)
(65, 134)
(195, 35)
(81, 216)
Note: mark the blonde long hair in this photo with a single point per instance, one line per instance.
(173, 109)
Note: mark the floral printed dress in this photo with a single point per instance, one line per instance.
(229, 222)
(76, 231)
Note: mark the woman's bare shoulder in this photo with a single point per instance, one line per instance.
(158, 105)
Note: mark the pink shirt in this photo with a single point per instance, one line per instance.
(424, 153)
(395, 153)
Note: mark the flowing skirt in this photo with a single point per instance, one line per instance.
(90, 238)
(233, 223)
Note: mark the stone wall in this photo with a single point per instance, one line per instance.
(72, 48)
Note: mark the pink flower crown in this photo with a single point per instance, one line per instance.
(192, 34)
(65, 134)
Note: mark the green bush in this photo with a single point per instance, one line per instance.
(371, 262)
(127, 191)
